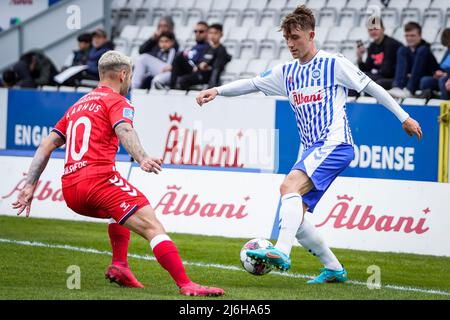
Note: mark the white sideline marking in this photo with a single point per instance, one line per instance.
(211, 265)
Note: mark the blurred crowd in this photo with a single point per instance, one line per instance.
(405, 71)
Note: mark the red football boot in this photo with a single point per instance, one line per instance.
(122, 276)
(194, 289)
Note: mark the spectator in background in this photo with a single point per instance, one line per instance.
(79, 57)
(381, 56)
(441, 76)
(100, 45)
(9, 79)
(446, 96)
(165, 24)
(413, 62)
(211, 65)
(147, 66)
(33, 69)
(186, 62)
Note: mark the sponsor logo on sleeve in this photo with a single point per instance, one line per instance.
(128, 113)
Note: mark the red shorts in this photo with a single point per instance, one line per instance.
(105, 197)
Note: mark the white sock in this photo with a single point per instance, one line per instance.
(291, 215)
(309, 237)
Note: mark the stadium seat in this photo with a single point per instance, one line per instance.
(284, 53)
(249, 47)
(438, 50)
(347, 17)
(231, 18)
(338, 34)
(351, 99)
(239, 5)
(66, 89)
(327, 17)
(254, 67)
(414, 102)
(250, 18)
(83, 89)
(336, 4)
(399, 35)
(143, 35)
(358, 33)
(221, 4)
(331, 47)
(184, 34)
(317, 4)
(348, 49)
(269, 17)
(433, 18)
(398, 4)
(390, 17)
(321, 35)
(435, 102)
(429, 34)
(420, 4)
(128, 34)
(356, 4)
(268, 50)
(439, 4)
(235, 67)
(292, 4)
(214, 16)
(410, 14)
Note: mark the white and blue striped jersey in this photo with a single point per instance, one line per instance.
(317, 92)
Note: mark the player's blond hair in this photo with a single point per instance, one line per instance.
(114, 61)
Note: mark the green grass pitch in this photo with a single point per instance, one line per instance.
(34, 261)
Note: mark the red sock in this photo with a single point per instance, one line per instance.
(168, 257)
(119, 236)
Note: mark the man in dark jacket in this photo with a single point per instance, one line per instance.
(101, 45)
(440, 76)
(34, 69)
(413, 62)
(381, 57)
(202, 68)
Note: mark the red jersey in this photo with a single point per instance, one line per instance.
(88, 129)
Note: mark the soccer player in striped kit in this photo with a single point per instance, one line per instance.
(316, 83)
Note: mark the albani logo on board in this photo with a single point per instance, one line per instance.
(185, 146)
(349, 215)
(177, 202)
(45, 190)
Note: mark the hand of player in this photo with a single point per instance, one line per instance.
(412, 127)
(206, 96)
(150, 164)
(24, 199)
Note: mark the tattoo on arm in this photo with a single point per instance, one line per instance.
(130, 140)
(42, 156)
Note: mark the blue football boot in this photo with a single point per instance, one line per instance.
(329, 276)
(271, 256)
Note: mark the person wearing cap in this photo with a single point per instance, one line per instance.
(100, 45)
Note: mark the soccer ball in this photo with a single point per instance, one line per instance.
(250, 265)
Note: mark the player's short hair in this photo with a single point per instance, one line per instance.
(410, 26)
(302, 17)
(114, 61)
(445, 37)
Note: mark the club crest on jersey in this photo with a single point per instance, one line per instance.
(315, 74)
(128, 113)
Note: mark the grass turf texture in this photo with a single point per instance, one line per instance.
(28, 272)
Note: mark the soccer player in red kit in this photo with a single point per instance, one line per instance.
(91, 130)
